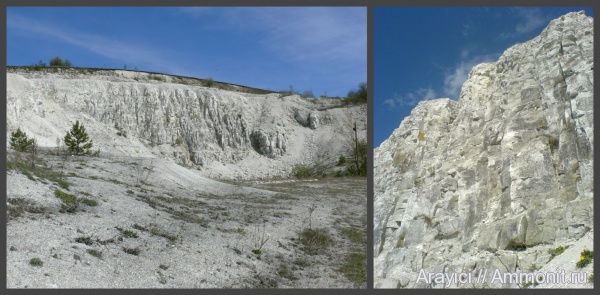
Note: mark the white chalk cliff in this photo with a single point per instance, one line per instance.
(224, 133)
(498, 178)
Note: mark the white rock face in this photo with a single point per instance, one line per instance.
(224, 133)
(497, 178)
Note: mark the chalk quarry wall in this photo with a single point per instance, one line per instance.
(224, 133)
(499, 177)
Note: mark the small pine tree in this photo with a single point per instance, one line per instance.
(77, 140)
(19, 141)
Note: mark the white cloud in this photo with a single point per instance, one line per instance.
(411, 99)
(117, 50)
(503, 36)
(464, 53)
(311, 35)
(455, 78)
(390, 103)
(532, 19)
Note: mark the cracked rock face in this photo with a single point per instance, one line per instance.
(498, 177)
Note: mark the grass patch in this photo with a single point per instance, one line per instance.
(130, 234)
(89, 202)
(63, 184)
(555, 252)
(355, 268)
(132, 251)
(95, 253)
(315, 241)
(84, 240)
(284, 272)
(70, 201)
(281, 214)
(23, 166)
(127, 233)
(139, 227)
(17, 206)
(157, 232)
(264, 282)
(192, 218)
(36, 262)
(301, 262)
(115, 181)
(354, 235)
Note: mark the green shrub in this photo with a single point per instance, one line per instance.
(57, 62)
(357, 95)
(421, 135)
(209, 82)
(19, 141)
(36, 262)
(302, 171)
(342, 160)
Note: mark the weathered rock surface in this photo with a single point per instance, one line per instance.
(224, 133)
(497, 178)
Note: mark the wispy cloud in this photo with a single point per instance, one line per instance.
(410, 99)
(504, 36)
(467, 30)
(101, 45)
(532, 18)
(310, 35)
(456, 77)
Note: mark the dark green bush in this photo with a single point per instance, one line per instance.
(59, 62)
(357, 95)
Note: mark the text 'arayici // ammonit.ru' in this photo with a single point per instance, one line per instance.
(498, 277)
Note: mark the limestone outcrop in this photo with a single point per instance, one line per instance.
(497, 178)
(224, 133)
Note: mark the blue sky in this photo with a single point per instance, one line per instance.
(321, 49)
(427, 52)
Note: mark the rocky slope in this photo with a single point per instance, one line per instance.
(226, 134)
(498, 178)
(145, 212)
